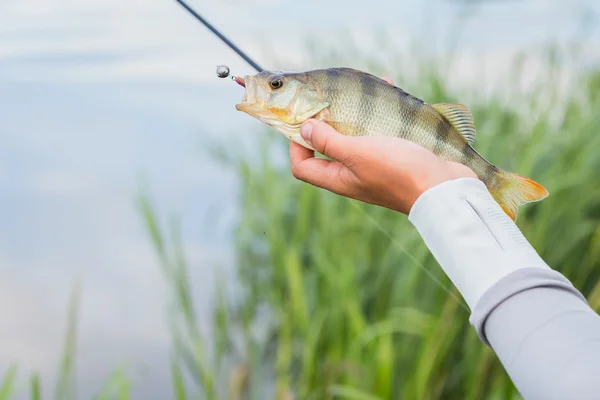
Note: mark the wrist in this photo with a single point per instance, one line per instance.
(453, 172)
(473, 240)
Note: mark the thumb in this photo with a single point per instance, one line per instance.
(325, 139)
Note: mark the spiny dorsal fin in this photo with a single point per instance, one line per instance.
(460, 117)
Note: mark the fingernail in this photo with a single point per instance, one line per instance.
(306, 132)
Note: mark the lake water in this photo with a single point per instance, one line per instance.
(100, 98)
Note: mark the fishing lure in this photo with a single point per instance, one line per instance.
(223, 72)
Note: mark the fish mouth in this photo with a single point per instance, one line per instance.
(259, 112)
(253, 103)
(249, 90)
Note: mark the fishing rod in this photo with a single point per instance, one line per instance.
(214, 30)
(223, 71)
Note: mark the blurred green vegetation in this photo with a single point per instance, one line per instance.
(337, 299)
(348, 296)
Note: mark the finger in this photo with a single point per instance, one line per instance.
(316, 171)
(388, 80)
(321, 173)
(299, 153)
(327, 140)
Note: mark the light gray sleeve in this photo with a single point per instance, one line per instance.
(541, 328)
(545, 334)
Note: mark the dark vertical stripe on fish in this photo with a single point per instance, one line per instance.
(468, 155)
(409, 109)
(333, 79)
(443, 133)
(368, 93)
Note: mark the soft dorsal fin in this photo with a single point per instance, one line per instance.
(460, 117)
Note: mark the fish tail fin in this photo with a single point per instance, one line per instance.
(515, 190)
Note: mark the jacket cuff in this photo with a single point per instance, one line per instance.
(471, 237)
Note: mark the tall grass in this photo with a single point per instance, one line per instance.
(340, 299)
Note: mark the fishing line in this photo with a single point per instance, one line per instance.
(413, 258)
(223, 72)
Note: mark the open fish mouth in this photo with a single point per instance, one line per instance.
(249, 92)
(253, 103)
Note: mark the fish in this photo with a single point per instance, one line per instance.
(356, 103)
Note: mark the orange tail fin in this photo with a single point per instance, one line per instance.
(516, 190)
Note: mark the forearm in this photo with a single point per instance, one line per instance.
(540, 326)
(547, 339)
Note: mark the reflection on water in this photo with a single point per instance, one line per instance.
(97, 97)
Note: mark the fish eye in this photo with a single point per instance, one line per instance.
(276, 82)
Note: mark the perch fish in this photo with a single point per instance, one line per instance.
(356, 103)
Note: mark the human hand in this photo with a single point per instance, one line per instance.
(386, 171)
